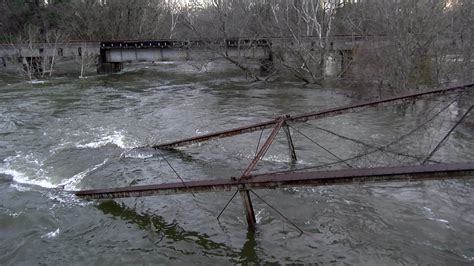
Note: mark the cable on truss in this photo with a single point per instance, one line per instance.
(174, 170)
(447, 135)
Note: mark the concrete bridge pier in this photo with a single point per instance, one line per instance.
(332, 66)
(338, 63)
(104, 67)
(346, 61)
(266, 65)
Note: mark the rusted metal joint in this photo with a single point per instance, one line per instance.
(242, 187)
(284, 117)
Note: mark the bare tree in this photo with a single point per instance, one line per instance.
(28, 53)
(303, 28)
(416, 44)
(49, 57)
(174, 9)
(85, 58)
(406, 44)
(215, 24)
(462, 19)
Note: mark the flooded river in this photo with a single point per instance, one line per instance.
(81, 134)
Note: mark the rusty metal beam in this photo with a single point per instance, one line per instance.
(304, 117)
(274, 180)
(248, 207)
(244, 193)
(291, 146)
(356, 107)
(263, 149)
(217, 135)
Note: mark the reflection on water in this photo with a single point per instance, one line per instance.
(82, 134)
(172, 231)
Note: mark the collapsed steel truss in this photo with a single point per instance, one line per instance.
(313, 178)
(275, 180)
(305, 117)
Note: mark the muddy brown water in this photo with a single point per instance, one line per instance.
(81, 134)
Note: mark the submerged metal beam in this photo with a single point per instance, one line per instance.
(244, 193)
(356, 107)
(248, 207)
(274, 180)
(304, 117)
(218, 135)
(291, 146)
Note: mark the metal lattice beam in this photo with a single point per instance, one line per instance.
(274, 180)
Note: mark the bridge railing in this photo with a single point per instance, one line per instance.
(185, 44)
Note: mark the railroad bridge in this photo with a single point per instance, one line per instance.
(110, 56)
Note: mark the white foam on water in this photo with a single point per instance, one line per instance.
(70, 184)
(141, 156)
(468, 258)
(431, 216)
(144, 152)
(136, 155)
(13, 214)
(276, 158)
(51, 234)
(201, 132)
(282, 158)
(164, 62)
(22, 178)
(439, 220)
(377, 136)
(36, 81)
(65, 197)
(429, 212)
(348, 202)
(26, 170)
(24, 184)
(60, 146)
(117, 138)
(20, 187)
(259, 216)
(28, 174)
